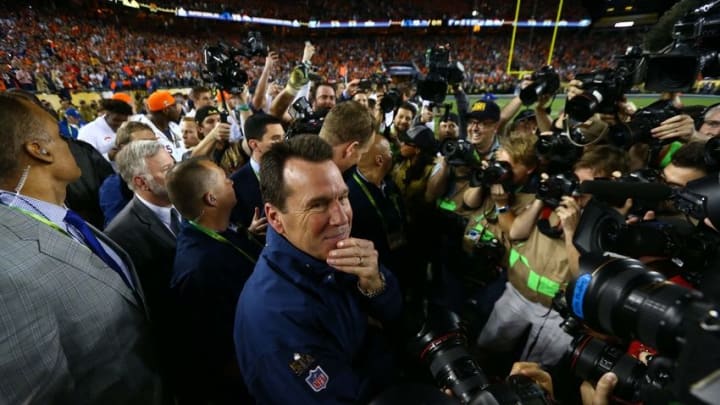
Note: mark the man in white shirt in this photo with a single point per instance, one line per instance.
(100, 133)
(163, 117)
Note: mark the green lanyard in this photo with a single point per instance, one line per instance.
(221, 239)
(372, 201)
(41, 219)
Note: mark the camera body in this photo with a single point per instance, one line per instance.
(556, 152)
(459, 152)
(642, 122)
(441, 73)
(552, 190)
(375, 80)
(545, 81)
(305, 119)
(222, 68)
(602, 89)
(496, 172)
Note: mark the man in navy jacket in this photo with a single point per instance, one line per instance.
(301, 327)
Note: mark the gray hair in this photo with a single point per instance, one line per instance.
(711, 111)
(131, 159)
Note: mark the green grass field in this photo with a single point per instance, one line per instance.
(639, 100)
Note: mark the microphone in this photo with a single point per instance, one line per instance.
(620, 190)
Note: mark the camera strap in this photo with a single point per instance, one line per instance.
(544, 226)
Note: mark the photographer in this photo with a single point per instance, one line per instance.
(541, 265)
(402, 120)
(483, 121)
(216, 142)
(710, 126)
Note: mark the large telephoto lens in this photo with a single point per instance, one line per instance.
(621, 297)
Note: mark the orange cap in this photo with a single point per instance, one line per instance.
(160, 100)
(123, 97)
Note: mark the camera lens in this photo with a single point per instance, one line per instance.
(590, 358)
(582, 107)
(621, 297)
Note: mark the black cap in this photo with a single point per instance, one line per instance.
(420, 136)
(204, 112)
(452, 117)
(484, 110)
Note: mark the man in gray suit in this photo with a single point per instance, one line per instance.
(146, 230)
(73, 326)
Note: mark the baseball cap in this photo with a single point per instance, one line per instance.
(524, 115)
(484, 110)
(420, 136)
(160, 100)
(452, 117)
(122, 97)
(204, 112)
(71, 112)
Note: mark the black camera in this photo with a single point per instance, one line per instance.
(602, 90)
(552, 190)
(556, 152)
(496, 172)
(619, 296)
(545, 81)
(223, 69)
(376, 79)
(693, 50)
(441, 344)
(642, 122)
(441, 73)
(391, 101)
(305, 119)
(459, 152)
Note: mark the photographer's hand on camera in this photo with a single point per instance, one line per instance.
(359, 257)
(221, 134)
(438, 181)
(601, 393)
(680, 127)
(534, 372)
(569, 214)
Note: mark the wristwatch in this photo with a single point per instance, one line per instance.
(501, 210)
(375, 292)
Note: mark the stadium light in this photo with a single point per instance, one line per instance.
(624, 24)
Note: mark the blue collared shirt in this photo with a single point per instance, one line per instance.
(56, 215)
(301, 329)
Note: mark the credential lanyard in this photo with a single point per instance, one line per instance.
(221, 239)
(372, 201)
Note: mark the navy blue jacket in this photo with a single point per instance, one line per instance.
(247, 193)
(301, 330)
(206, 282)
(114, 195)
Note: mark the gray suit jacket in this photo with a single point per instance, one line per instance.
(71, 331)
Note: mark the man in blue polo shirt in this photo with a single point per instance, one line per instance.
(302, 323)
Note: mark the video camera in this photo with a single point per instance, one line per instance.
(602, 89)
(441, 72)
(222, 68)
(693, 50)
(545, 81)
(305, 119)
(619, 296)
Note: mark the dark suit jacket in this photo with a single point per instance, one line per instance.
(83, 194)
(151, 246)
(247, 193)
(72, 330)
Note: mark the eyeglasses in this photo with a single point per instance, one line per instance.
(486, 124)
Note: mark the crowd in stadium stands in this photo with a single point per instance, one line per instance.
(380, 9)
(60, 52)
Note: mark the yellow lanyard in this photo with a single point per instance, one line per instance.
(221, 239)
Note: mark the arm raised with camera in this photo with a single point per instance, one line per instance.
(438, 181)
(258, 101)
(217, 139)
(525, 222)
